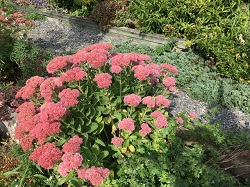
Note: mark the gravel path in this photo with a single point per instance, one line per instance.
(62, 37)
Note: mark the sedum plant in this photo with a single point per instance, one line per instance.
(94, 107)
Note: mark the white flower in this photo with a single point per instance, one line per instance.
(241, 39)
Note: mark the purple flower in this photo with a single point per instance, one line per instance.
(244, 7)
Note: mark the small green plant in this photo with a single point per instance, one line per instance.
(104, 12)
(29, 58)
(34, 16)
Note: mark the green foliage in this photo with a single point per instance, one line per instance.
(6, 45)
(29, 58)
(104, 12)
(34, 16)
(217, 29)
(178, 164)
(78, 7)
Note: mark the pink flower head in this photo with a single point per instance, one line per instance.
(161, 122)
(103, 46)
(115, 69)
(70, 161)
(81, 173)
(132, 99)
(119, 59)
(59, 62)
(162, 101)
(244, 7)
(149, 101)
(48, 86)
(142, 57)
(179, 120)
(80, 57)
(103, 80)
(170, 68)
(46, 155)
(171, 88)
(25, 111)
(96, 175)
(97, 57)
(43, 130)
(145, 129)
(117, 141)
(69, 97)
(73, 74)
(193, 115)
(24, 128)
(154, 70)
(140, 72)
(169, 81)
(73, 161)
(126, 124)
(51, 112)
(73, 145)
(156, 114)
(26, 142)
(29, 89)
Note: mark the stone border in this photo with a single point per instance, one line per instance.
(134, 35)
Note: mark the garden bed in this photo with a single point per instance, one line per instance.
(167, 157)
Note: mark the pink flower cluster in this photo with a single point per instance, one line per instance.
(58, 63)
(48, 86)
(149, 101)
(38, 123)
(193, 115)
(161, 119)
(103, 80)
(169, 68)
(96, 55)
(69, 161)
(120, 60)
(51, 112)
(69, 97)
(145, 129)
(126, 124)
(124, 60)
(46, 155)
(162, 101)
(115, 69)
(117, 141)
(132, 99)
(103, 46)
(29, 89)
(43, 130)
(71, 158)
(94, 174)
(179, 120)
(169, 81)
(143, 71)
(75, 74)
(73, 145)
